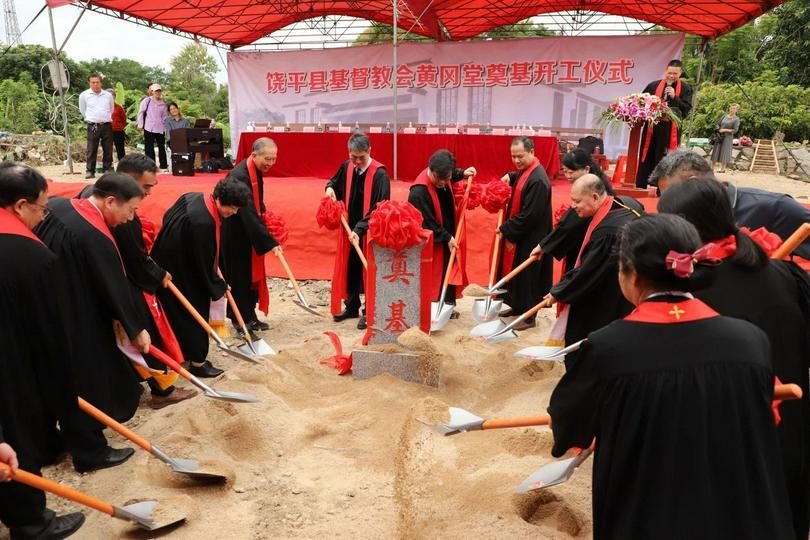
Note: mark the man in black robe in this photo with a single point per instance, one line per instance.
(144, 274)
(188, 246)
(90, 266)
(665, 135)
(432, 195)
(35, 387)
(246, 239)
(527, 221)
(590, 290)
(369, 185)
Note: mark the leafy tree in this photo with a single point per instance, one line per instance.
(730, 57)
(383, 33)
(128, 72)
(192, 78)
(787, 47)
(522, 29)
(19, 104)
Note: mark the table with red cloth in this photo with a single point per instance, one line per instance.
(319, 154)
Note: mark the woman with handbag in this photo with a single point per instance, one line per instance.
(728, 125)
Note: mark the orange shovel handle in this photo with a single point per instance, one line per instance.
(239, 320)
(459, 228)
(186, 304)
(37, 482)
(787, 392)
(793, 241)
(496, 250)
(169, 361)
(356, 246)
(290, 275)
(524, 421)
(520, 268)
(112, 424)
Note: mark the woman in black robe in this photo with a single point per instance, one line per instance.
(677, 400)
(188, 247)
(773, 295)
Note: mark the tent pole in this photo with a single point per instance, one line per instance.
(394, 81)
(696, 93)
(61, 95)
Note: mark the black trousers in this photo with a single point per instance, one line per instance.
(149, 141)
(118, 141)
(99, 133)
(22, 506)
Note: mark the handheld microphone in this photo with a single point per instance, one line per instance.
(669, 85)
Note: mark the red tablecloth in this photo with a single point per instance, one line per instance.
(319, 154)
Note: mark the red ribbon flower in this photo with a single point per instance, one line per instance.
(339, 361)
(558, 215)
(329, 212)
(395, 225)
(768, 241)
(496, 196)
(277, 227)
(474, 200)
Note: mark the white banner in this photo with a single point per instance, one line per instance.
(562, 82)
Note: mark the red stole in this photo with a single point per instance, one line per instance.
(341, 268)
(514, 209)
(671, 312)
(211, 205)
(673, 129)
(94, 217)
(258, 276)
(148, 231)
(10, 224)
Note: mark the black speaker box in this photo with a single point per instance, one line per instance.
(182, 165)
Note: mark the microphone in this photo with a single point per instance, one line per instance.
(669, 85)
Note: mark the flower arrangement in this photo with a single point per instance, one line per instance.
(636, 108)
(745, 140)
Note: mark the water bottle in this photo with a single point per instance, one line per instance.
(388, 127)
(287, 127)
(319, 127)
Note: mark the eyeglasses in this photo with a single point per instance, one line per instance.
(45, 210)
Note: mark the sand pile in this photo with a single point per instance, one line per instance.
(475, 290)
(325, 456)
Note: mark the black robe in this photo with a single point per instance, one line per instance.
(525, 229)
(685, 440)
(99, 293)
(661, 132)
(35, 384)
(592, 290)
(243, 235)
(420, 198)
(774, 298)
(186, 247)
(358, 221)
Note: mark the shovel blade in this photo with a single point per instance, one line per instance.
(541, 353)
(190, 467)
(239, 354)
(460, 421)
(144, 514)
(232, 396)
(501, 336)
(306, 307)
(481, 313)
(487, 329)
(553, 473)
(260, 347)
(439, 315)
(495, 292)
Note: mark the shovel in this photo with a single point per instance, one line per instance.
(440, 312)
(560, 471)
(207, 390)
(251, 346)
(142, 513)
(301, 302)
(183, 466)
(793, 242)
(555, 354)
(355, 244)
(497, 330)
(498, 287)
(211, 332)
(464, 421)
(488, 308)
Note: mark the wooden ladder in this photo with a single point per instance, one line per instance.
(764, 160)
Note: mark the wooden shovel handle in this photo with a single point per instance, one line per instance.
(37, 482)
(793, 242)
(496, 250)
(536, 308)
(459, 228)
(239, 320)
(186, 304)
(787, 392)
(524, 421)
(356, 246)
(169, 361)
(112, 424)
(520, 268)
(287, 269)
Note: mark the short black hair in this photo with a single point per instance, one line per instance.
(136, 165)
(232, 192)
(685, 161)
(704, 203)
(578, 159)
(359, 142)
(94, 75)
(172, 103)
(119, 185)
(442, 163)
(527, 142)
(675, 63)
(645, 243)
(19, 181)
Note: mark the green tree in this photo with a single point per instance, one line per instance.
(130, 73)
(383, 33)
(787, 47)
(192, 79)
(730, 57)
(19, 103)
(522, 29)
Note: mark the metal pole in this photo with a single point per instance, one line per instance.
(394, 80)
(61, 95)
(696, 93)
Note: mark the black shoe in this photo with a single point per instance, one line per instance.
(361, 324)
(346, 314)
(89, 175)
(114, 456)
(257, 326)
(206, 370)
(64, 526)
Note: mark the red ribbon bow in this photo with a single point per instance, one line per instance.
(341, 362)
(683, 264)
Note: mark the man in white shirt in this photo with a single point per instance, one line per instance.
(96, 106)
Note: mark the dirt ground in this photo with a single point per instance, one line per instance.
(325, 456)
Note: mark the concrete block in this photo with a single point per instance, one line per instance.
(408, 367)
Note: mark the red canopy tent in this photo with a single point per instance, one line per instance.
(236, 23)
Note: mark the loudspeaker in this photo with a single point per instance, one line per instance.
(182, 165)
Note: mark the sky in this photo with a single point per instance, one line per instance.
(101, 36)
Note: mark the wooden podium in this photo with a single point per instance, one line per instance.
(628, 186)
